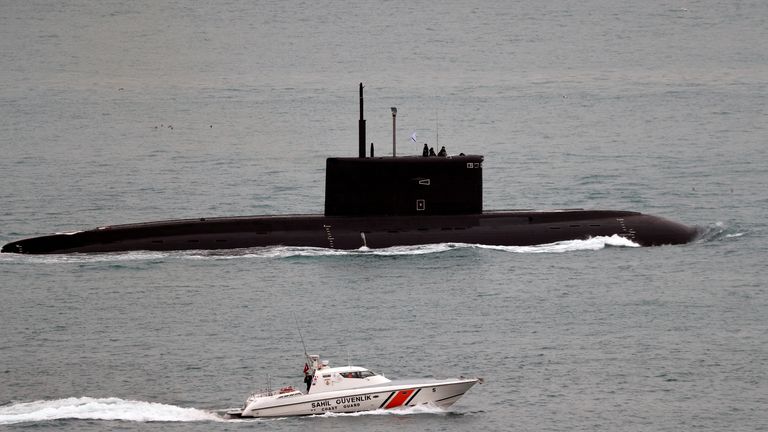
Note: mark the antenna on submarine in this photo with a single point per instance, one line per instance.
(437, 130)
(361, 126)
(394, 131)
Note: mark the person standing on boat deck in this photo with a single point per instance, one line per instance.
(443, 153)
(307, 377)
(425, 151)
(432, 151)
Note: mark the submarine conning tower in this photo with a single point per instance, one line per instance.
(402, 185)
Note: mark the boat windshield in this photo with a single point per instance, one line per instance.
(360, 374)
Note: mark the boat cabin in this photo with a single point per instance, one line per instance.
(325, 378)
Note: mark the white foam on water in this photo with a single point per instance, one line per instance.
(87, 408)
(278, 252)
(413, 250)
(85, 258)
(298, 251)
(418, 409)
(590, 244)
(719, 231)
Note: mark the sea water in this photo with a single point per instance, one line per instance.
(118, 112)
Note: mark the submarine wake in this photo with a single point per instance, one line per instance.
(719, 231)
(591, 244)
(87, 408)
(287, 252)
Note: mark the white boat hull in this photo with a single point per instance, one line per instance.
(442, 393)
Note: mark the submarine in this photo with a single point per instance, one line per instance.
(376, 202)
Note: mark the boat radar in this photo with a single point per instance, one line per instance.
(377, 202)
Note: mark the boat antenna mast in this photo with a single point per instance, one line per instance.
(306, 356)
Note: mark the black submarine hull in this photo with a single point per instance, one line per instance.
(502, 228)
(376, 202)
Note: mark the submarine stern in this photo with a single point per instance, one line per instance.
(42, 245)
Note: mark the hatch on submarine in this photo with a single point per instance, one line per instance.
(376, 202)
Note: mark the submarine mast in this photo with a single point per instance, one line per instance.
(394, 131)
(361, 126)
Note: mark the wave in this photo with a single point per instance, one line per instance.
(593, 243)
(590, 244)
(719, 231)
(418, 409)
(280, 252)
(87, 408)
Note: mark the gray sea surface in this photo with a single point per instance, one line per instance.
(117, 112)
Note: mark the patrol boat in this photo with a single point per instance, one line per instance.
(349, 389)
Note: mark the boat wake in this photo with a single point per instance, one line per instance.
(281, 252)
(418, 409)
(87, 408)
